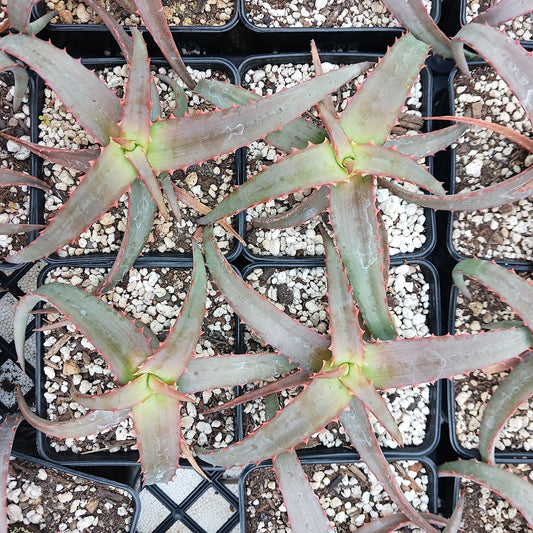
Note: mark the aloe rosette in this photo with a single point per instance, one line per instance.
(146, 377)
(342, 372)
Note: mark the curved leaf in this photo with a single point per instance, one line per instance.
(141, 213)
(392, 522)
(153, 16)
(225, 371)
(19, 13)
(161, 387)
(180, 142)
(358, 427)
(20, 75)
(10, 229)
(374, 109)
(510, 190)
(9, 178)
(516, 490)
(96, 107)
(123, 346)
(413, 16)
(454, 523)
(305, 512)
(90, 424)
(93, 196)
(158, 429)
(346, 335)
(295, 134)
(135, 125)
(403, 362)
(300, 344)
(381, 161)
(293, 173)
(512, 62)
(424, 144)
(170, 359)
(74, 159)
(321, 402)
(126, 396)
(516, 388)
(8, 427)
(357, 231)
(502, 11)
(305, 210)
(509, 286)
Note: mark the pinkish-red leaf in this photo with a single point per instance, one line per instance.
(503, 11)
(7, 433)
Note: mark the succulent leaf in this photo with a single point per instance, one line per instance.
(113, 335)
(135, 125)
(309, 207)
(74, 159)
(381, 161)
(454, 523)
(96, 107)
(413, 15)
(158, 429)
(231, 370)
(300, 344)
(170, 360)
(11, 229)
(357, 230)
(346, 335)
(125, 396)
(19, 13)
(374, 109)
(295, 134)
(93, 196)
(161, 387)
(8, 427)
(141, 213)
(20, 76)
(305, 512)
(393, 522)
(291, 174)
(512, 62)
(180, 142)
(358, 427)
(322, 400)
(516, 490)
(510, 190)
(403, 362)
(511, 288)
(138, 159)
(124, 41)
(153, 16)
(503, 11)
(90, 424)
(424, 144)
(516, 388)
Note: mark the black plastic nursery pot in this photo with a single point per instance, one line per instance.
(82, 21)
(66, 362)
(342, 487)
(487, 511)
(330, 25)
(305, 241)
(169, 241)
(99, 503)
(423, 403)
(466, 397)
(500, 233)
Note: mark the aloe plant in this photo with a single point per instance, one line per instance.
(341, 373)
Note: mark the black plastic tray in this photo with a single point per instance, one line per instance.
(428, 463)
(106, 259)
(427, 97)
(433, 427)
